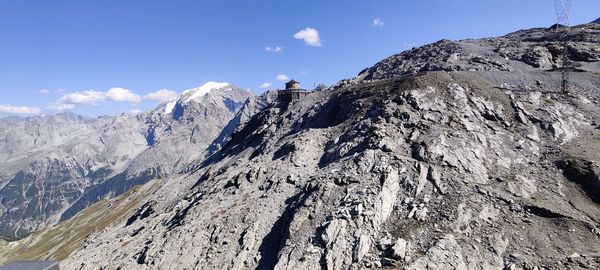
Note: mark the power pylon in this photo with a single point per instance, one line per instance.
(563, 20)
(563, 11)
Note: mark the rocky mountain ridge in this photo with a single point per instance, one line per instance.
(52, 167)
(533, 47)
(455, 155)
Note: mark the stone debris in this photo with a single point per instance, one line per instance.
(445, 254)
(363, 246)
(400, 249)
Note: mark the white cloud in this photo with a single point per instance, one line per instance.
(282, 77)
(378, 22)
(93, 97)
(310, 37)
(5, 108)
(273, 49)
(44, 91)
(266, 85)
(88, 97)
(122, 95)
(161, 95)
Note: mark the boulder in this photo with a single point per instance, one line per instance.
(539, 57)
(400, 249)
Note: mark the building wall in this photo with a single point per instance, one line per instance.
(292, 86)
(291, 94)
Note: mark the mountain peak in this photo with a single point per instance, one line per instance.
(193, 94)
(597, 21)
(202, 90)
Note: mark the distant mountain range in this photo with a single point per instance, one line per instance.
(51, 167)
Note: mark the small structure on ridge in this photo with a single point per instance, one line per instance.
(292, 92)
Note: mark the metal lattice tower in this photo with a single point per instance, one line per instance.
(563, 11)
(563, 18)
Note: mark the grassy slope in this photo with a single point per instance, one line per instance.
(57, 242)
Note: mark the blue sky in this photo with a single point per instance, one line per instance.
(50, 49)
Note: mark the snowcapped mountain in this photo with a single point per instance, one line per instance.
(51, 167)
(193, 94)
(203, 90)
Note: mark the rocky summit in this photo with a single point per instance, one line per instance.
(52, 167)
(455, 155)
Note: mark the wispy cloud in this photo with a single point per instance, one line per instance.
(282, 77)
(310, 36)
(135, 112)
(409, 44)
(275, 49)
(161, 95)
(11, 109)
(61, 106)
(49, 91)
(378, 22)
(266, 85)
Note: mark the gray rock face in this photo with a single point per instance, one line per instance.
(400, 249)
(444, 255)
(536, 47)
(455, 169)
(52, 167)
(539, 57)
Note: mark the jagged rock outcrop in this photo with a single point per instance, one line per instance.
(539, 48)
(52, 167)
